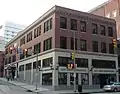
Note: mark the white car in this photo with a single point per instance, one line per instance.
(115, 86)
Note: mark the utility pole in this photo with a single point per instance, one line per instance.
(74, 66)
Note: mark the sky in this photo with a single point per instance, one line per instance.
(27, 11)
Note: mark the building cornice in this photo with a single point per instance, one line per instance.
(40, 19)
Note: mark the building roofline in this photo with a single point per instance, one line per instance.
(32, 24)
(99, 6)
(46, 14)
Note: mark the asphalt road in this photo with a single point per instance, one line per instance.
(107, 93)
(7, 88)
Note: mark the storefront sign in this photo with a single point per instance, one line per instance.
(64, 69)
(108, 71)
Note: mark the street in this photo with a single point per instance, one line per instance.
(6, 88)
(108, 93)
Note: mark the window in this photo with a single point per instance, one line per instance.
(34, 64)
(9, 61)
(48, 25)
(102, 29)
(81, 62)
(29, 52)
(73, 24)
(103, 63)
(110, 31)
(47, 62)
(72, 43)
(63, 22)
(63, 61)
(82, 26)
(22, 41)
(94, 28)
(103, 47)
(28, 66)
(111, 48)
(108, 15)
(95, 46)
(37, 48)
(83, 45)
(21, 68)
(37, 31)
(29, 36)
(13, 58)
(47, 44)
(63, 42)
(114, 13)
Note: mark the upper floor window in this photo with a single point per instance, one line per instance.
(37, 31)
(28, 66)
(37, 48)
(29, 52)
(83, 45)
(111, 48)
(94, 28)
(29, 36)
(82, 26)
(103, 47)
(72, 43)
(63, 42)
(102, 29)
(110, 31)
(21, 68)
(73, 24)
(47, 44)
(63, 22)
(114, 13)
(13, 58)
(95, 46)
(22, 41)
(48, 25)
(108, 15)
(47, 62)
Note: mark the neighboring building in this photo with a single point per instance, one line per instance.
(52, 37)
(2, 56)
(109, 9)
(10, 30)
(2, 43)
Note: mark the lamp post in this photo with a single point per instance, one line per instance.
(74, 66)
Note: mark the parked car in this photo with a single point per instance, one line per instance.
(115, 86)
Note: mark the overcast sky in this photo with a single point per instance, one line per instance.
(26, 11)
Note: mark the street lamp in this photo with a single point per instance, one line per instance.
(75, 66)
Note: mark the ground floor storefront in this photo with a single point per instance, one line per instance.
(92, 69)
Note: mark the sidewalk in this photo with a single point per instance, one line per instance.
(43, 90)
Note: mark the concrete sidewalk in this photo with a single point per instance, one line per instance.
(43, 90)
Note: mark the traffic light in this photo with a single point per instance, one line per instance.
(114, 41)
(72, 56)
(71, 66)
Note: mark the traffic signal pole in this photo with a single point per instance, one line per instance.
(74, 66)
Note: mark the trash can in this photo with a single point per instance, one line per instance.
(79, 88)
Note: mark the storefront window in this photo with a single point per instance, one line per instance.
(47, 79)
(62, 77)
(84, 78)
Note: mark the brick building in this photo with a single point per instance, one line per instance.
(109, 9)
(2, 56)
(51, 36)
